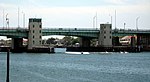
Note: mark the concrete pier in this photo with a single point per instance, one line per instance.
(85, 42)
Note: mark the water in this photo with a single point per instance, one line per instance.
(61, 67)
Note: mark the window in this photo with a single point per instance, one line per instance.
(104, 32)
(104, 27)
(40, 31)
(110, 27)
(110, 37)
(33, 41)
(33, 26)
(40, 26)
(110, 32)
(33, 31)
(40, 37)
(40, 42)
(33, 36)
(104, 37)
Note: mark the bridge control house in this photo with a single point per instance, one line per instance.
(35, 33)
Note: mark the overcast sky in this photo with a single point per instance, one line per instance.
(78, 13)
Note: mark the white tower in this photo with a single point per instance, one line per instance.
(105, 37)
(35, 33)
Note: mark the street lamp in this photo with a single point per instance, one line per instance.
(110, 19)
(137, 23)
(23, 22)
(94, 22)
(124, 25)
(7, 21)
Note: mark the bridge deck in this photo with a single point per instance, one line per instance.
(92, 33)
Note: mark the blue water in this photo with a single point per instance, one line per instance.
(61, 67)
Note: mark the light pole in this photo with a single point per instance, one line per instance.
(115, 20)
(110, 19)
(124, 26)
(94, 22)
(18, 17)
(7, 21)
(23, 22)
(137, 23)
(3, 18)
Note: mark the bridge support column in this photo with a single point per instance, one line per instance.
(133, 41)
(143, 40)
(138, 40)
(115, 41)
(17, 44)
(84, 42)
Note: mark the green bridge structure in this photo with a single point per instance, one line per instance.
(35, 32)
(143, 36)
(78, 32)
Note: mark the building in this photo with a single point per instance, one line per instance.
(35, 33)
(127, 40)
(105, 37)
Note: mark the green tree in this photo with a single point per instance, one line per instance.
(51, 41)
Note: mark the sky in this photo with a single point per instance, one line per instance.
(77, 13)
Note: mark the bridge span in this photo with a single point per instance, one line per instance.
(78, 32)
(105, 35)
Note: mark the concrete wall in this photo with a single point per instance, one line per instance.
(17, 43)
(84, 42)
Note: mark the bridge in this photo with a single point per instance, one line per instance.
(78, 32)
(106, 35)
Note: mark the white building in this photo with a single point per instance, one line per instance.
(35, 33)
(105, 37)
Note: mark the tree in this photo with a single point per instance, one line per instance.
(75, 40)
(51, 41)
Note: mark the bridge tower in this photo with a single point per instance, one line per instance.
(105, 37)
(35, 33)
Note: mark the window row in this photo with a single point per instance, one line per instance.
(40, 26)
(105, 32)
(39, 37)
(105, 27)
(109, 37)
(39, 31)
(34, 42)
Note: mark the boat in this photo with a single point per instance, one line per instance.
(77, 52)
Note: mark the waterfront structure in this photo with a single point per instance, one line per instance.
(105, 36)
(35, 33)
